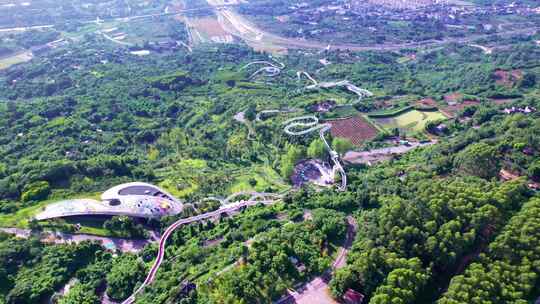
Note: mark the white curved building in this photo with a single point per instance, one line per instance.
(132, 199)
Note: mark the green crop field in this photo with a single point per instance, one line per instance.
(412, 121)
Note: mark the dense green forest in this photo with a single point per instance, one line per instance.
(436, 225)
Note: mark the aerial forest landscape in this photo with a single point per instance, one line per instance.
(270, 151)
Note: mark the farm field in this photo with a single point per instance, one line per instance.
(411, 121)
(356, 129)
(19, 58)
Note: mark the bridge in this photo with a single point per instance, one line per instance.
(255, 198)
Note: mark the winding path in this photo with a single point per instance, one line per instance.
(308, 76)
(255, 198)
(311, 122)
(342, 83)
(330, 84)
(271, 69)
(240, 117)
(114, 40)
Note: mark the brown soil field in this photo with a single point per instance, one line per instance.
(454, 97)
(507, 78)
(427, 102)
(453, 110)
(356, 129)
(209, 26)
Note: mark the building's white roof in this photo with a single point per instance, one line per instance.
(114, 192)
(113, 203)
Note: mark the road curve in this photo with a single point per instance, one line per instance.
(259, 115)
(237, 25)
(314, 290)
(335, 158)
(311, 122)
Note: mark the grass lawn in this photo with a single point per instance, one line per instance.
(265, 177)
(341, 112)
(183, 182)
(89, 225)
(410, 121)
(94, 230)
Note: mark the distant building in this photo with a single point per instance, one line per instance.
(526, 110)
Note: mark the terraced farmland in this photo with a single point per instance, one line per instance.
(356, 129)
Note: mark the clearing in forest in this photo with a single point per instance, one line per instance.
(410, 121)
(356, 129)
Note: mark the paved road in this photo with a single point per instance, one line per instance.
(316, 291)
(237, 25)
(308, 76)
(256, 198)
(124, 245)
(342, 83)
(114, 40)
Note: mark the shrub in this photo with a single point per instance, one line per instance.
(36, 191)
